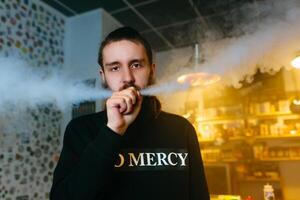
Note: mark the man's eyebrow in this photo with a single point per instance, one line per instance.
(142, 60)
(111, 64)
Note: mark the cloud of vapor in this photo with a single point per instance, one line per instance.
(268, 43)
(24, 89)
(267, 38)
(22, 86)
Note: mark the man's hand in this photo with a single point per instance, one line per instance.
(122, 109)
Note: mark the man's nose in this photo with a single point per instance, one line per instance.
(128, 76)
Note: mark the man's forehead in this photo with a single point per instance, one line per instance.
(124, 50)
(124, 44)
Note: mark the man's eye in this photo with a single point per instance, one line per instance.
(136, 65)
(116, 68)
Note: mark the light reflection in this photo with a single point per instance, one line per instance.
(198, 79)
(296, 62)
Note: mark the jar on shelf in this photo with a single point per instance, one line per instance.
(268, 192)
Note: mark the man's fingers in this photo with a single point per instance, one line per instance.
(123, 102)
(131, 93)
(129, 103)
(126, 100)
(139, 95)
(134, 94)
(117, 102)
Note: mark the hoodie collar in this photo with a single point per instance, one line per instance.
(150, 110)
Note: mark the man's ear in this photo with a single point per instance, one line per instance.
(152, 72)
(153, 68)
(102, 74)
(104, 84)
(151, 80)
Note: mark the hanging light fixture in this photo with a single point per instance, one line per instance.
(295, 103)
(197, 78)
(296, 62)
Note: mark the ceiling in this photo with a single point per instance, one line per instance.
(167, 24)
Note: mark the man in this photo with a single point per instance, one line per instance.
(132, 150)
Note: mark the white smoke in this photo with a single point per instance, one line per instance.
(25, 86)
(22, 86)
(165, 88)
(268, 43)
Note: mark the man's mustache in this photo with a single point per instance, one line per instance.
(128, 85)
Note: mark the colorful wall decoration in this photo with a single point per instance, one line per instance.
(28, 158)
(35, 32)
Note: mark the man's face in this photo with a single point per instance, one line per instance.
(125, 64)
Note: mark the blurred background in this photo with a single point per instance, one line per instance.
(238, 56)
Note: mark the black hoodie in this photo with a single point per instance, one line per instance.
(158, 158)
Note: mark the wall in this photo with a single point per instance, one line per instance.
(83, 35)
(33, 31)
(108, 23)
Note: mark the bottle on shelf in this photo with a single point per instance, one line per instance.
(268, 192)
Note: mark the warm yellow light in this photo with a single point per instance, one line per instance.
(187, 115)
(197, 79)
(296, 102)
(296, 62)
(293, 132)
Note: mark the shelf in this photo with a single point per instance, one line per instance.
(231, 139)
(221, 120)
(220, 160)
(274, 115)
(297, 136)
(230, 160)
(281, 159)
(224, 197)
(253, 179)
(229, 119)
(238, 138)
(255, 160)
(251, 138)
(211, 161)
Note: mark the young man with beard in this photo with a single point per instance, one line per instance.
(132, 149)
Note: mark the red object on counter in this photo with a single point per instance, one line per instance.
(249, 198)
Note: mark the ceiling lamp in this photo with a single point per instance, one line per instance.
(197, 78)
(295, 103)
(296, 62)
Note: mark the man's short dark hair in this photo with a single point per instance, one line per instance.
(125, 33)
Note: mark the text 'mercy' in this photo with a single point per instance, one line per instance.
(154, 159)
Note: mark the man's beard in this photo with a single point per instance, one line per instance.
(151, 81)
